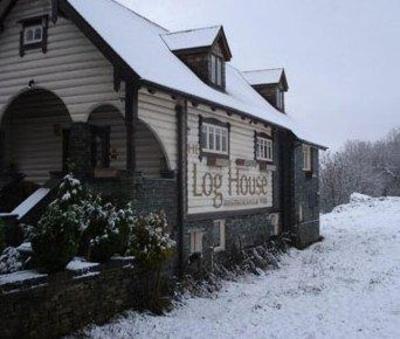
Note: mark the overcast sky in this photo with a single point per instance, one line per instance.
(341, 56)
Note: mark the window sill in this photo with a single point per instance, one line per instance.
(215, 155)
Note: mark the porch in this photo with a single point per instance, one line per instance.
(40, 143)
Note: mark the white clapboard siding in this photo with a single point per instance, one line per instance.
(241, 147)
(158, 112)
(72, 68)
(34, 146)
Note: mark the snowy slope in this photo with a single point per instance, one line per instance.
(346, 287)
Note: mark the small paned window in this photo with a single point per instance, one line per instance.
(196, 242)
(219, 244)
(307, 159)
(214, 139)
(264, 149)
(33, 34)
(216, 70)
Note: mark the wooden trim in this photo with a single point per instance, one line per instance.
(228, 214)
(131, 121)
(54, 11)
(181, 120)
(5, 13)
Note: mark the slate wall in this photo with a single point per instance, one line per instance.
(49, 307)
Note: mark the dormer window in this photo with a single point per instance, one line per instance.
(216, 70)
(34, 34)
(204, 50)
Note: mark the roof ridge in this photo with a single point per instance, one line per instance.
(140, 15)
(192, 30)
(264, 69)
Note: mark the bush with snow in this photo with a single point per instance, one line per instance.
(102, 234)
(152, 246)
(55, 239)
(10, 261)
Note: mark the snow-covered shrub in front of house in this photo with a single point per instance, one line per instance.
(102, 235)
(10, 261)
(56, 237)
(150, 242)
(152, 246)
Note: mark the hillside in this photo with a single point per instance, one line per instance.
(345, 287)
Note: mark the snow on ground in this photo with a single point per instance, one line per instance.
(345, 287)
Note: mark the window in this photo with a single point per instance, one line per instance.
(33, 34)
(307, 160)
(216, 70)
(196, 242)
(219, 244)
(264, 149)
(279, 99)
(214, 139)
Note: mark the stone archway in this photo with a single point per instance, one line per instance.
(32, 134)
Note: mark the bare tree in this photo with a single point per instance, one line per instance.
(364, 167)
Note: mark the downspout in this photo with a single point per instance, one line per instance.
(181, 118)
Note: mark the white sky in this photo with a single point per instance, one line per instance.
(341, 56)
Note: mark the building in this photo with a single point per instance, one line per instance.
(158, 117)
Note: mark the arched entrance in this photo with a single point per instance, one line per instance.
(32, 134)
(109, 144)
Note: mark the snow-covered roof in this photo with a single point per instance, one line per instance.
(264, 76)
(140, 44)
(193, 38)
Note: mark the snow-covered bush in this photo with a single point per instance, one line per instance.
(55, 239)
(2, 236)
(102, 235)
(10, 261)
(149, 241)
(152, 246)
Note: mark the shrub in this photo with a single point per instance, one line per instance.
(55, 239)
(10, 261)
(152, 247)
(2, 236)
(101, 238)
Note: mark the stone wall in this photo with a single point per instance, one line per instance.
(49, 307)
(241, 232)
(306, 195)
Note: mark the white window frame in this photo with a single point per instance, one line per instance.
(216, 70)
(220, 225)
(264, 149)
(216, 138)
(196, 242)
(307, 158)
(33, 28)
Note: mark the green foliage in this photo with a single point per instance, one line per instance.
(2, 237)
(149, 241)
(102, 234)
(152, 246)
(55, 239)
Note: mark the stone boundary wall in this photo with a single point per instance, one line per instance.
(52, 306)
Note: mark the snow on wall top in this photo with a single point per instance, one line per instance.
(264, 76)
(201, 37)
(139, 43)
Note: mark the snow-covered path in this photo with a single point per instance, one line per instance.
(345, 287)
